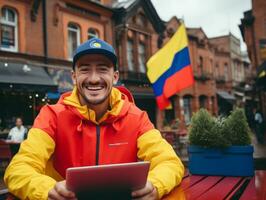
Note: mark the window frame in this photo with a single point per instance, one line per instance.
(187, 115)
(78, 31)
(12, 24)
(142, 67)
(130, 69)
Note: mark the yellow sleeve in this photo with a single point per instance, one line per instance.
(25, 176)
(166, 169)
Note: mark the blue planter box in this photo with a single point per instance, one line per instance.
(231, 161)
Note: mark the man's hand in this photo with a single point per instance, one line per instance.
(149, 192)
(60, 192)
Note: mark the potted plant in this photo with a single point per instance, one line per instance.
(220, 146)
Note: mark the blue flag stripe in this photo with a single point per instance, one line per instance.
(181, 60)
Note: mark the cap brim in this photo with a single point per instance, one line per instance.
(104, 52)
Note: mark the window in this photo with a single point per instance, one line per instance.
(141, 20)
(73, 39)
(142, 58)
(170, 113)
(9, 25)
(92, 33)
(200, 72)
(203, 101)
(226, 71)
(130, 55)
(217, 70)
(187, 108)
(213, 105)
(211, 66)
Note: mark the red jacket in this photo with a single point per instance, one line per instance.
(67, 134)
(86, 142)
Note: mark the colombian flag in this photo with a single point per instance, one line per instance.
(169, 69)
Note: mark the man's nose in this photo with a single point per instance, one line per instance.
(94, 77)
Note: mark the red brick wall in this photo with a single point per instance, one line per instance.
(259, 12)
(29, 33)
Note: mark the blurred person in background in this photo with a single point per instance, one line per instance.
(19, 132)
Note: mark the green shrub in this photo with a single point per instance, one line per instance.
(205, 130)
(208, 131)
(236, 128)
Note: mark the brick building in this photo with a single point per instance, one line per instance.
(253, 30)
(38, 38)
(230, 69)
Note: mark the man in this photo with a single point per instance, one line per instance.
(259, 126)
(17, 133)
(81, 128)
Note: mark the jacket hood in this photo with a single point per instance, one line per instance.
(118, 102)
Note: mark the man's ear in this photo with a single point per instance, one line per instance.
(116, 77)
(73, 76)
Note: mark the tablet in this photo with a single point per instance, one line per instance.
(107, 178)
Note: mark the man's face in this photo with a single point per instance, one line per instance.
(18, 122)
(94, 77)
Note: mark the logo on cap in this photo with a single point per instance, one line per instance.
(95, 44)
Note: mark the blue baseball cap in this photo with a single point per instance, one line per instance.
(95, 46)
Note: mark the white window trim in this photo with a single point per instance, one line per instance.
(14, 24)
(78, 38)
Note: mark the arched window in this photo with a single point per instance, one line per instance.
(9, 26)
(187, 101)
(142, 57)
(92, 33)
(141, 20)
(73, 39)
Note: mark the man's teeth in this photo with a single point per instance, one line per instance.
(94, 88)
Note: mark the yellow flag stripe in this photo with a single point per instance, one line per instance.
(161, 61)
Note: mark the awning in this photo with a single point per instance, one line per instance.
(21, 77)
(225, 95)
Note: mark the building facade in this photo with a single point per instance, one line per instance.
(253, 30)
(38, 39)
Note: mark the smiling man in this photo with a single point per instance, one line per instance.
(78, 131)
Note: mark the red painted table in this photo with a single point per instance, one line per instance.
(212, 188)
(220, 188)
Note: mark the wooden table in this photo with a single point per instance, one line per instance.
(8, 148)
(213, 188)
(220, 188)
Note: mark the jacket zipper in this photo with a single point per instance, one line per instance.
(97, 143)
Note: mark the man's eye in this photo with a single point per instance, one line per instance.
(103, 69)
(83, 69)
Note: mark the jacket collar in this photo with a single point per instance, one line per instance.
(115, 100)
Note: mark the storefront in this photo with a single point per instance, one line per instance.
(225, 102)
(23, 91)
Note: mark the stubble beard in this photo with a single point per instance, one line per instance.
(96, 102)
